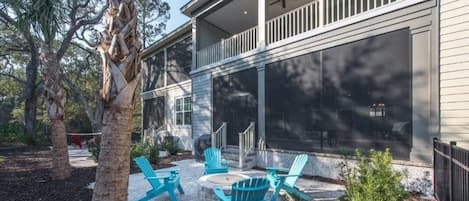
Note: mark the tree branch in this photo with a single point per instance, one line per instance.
(13, 77)
(73, 29)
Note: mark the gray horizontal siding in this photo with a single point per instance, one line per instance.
(454, 69)
(201, 98)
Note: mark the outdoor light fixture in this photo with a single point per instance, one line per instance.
(245, 12)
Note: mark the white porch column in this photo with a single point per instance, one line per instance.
(261, 103)
(261, 16)
(194, 43)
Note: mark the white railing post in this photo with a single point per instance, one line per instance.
(241, 150)
(223, 135)
(252, 136)
(222, 48)
(321, 13)
(214, 140)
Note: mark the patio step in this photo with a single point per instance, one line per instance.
(231, 155)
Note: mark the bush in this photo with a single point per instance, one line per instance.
(13, 133)
(149, 151)
(171, 147)
(94, 150)
(2, 159)
(373, 179)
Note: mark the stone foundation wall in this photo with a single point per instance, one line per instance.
(419, 177)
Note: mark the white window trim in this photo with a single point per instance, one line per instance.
(182, 111)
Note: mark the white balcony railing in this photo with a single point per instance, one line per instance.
(308, 17)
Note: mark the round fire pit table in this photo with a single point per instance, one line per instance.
(207, 183)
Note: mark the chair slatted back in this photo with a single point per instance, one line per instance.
(252, 189)
(147, 170)
(296, 169)
(213, 157)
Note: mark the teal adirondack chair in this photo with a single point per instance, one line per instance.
(287, 181)
(253, 189)
(170, 182)
(213, 161)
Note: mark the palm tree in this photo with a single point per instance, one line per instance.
(54, 25)
(121, 73)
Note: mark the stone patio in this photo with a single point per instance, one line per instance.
(190, 171)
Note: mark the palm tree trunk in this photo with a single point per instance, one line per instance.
(121, 72)
(30, 96)
(55, 99)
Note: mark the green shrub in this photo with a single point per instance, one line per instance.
(171, 147)
(372, 179)
(2, 159)
(13, 133)
(149, 151)
(94, 150)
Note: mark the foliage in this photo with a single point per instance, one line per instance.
(372, 179)
(94, 149)
(2, 159)
(13, 133)
(152, 17)
(149, 151)
(171, 147)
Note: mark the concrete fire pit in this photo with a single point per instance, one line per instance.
(207, 183)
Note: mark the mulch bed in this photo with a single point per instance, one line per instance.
(25, 176)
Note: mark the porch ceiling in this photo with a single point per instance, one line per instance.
(239, 15)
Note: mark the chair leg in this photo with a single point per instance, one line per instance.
(181, 191)
(149, 195)
(172, 195)
(275, 194)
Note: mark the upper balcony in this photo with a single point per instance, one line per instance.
(232, 29)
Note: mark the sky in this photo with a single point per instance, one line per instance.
(177, 18)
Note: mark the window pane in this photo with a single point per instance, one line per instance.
(178, 105)
(179, 118)
(187, 104)
(187, 118)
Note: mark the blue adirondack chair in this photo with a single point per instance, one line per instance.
(252, 189)
(213, 161)
(170, 182)
(287, 181)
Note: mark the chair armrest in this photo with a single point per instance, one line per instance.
(220, 194)
(158, 177)
(275, 169)
(171, 170)
(287, 175)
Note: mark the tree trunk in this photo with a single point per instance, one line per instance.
(112, 174)
(30, 96)
(55, 99)
(121, 72)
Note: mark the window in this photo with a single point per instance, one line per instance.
(183, 111)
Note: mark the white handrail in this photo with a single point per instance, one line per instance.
(246, 143)
(219, 137)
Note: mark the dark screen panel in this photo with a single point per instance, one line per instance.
(179, 61)
(292, 92)
(235, 102)
(153, 113)
(153, 74)
(356, 95)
